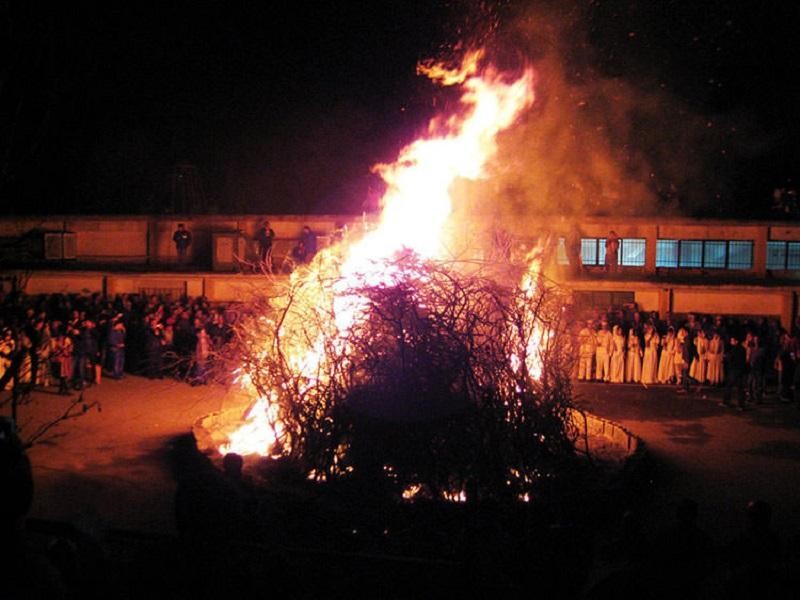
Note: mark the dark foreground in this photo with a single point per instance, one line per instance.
(108, 487)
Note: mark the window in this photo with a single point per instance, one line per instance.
(776, 255)
(709, 254)
(740, 255)
(783, 255)
(667, 253)
(793, 255)
(631, 251)
(714, 255)
(690, 254)
(589, 251)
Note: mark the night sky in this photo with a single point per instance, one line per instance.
(285, 107)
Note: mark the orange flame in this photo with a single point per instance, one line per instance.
(438, 72)
(416, 208)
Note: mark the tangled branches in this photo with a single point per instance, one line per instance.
(420, 375)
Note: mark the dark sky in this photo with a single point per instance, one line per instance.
(283, 107)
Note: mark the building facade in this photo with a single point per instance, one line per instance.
(678, 265)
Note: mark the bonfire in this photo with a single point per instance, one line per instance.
(404, 354)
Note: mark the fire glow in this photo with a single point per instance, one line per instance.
(415, 211)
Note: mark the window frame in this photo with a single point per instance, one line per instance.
(600, 251)
(787, 246)
(680, 261)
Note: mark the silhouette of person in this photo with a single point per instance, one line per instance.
(24, 572)
(612, 247)
(265, 237)
(183, 239)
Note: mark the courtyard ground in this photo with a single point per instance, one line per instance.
(110, 469)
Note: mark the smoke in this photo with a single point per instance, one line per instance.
(599, 143)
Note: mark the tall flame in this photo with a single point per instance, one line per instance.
(416, 206)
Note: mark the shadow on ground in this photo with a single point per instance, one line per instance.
(657, 403)
(694, 434)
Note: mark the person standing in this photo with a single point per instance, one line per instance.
(633, 364)
(265, 236)
(603, 353)
(716, 348)
(116, 345)
(735, 372)
(682, 358)
(183, 239)
(154, 337)
(572, 245)
(756, 363)
(617, 363)
(587, 345)
(62, 351)
(700, 363)
(651, 341)
(666, 365)
(201, 354)
(309, 240)
(612, 249)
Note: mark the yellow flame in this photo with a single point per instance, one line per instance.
(416, 208)
(438, 72)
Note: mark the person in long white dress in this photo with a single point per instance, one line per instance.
(697, 371)
(666, 366)
(617, 355)
(650, 360)
(716, 350)
(603, 353)
(633, 362)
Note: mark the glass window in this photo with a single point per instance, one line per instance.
(776, 255)
(632, 252)
(589, 251)
(740, 255)
(714, 255)
(691, 254)
(667, 253)
(601, 252)
(793, 255)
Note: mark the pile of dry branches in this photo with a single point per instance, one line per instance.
(432, 376)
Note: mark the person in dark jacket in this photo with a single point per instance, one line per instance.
(265, 236)
(309, 240)
(735, 373)
(183, 239)
(153, 341)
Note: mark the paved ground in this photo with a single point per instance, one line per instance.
(720, 457)
(110, 469)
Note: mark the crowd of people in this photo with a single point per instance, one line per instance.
(72, 341)
(740, 355)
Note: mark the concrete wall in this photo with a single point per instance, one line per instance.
(64, 283)
(732, 301)
(216, 287)
(142, 239)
